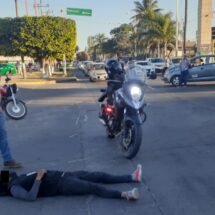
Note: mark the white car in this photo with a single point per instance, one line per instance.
(147, 66)
(97, 72)
(158, 63)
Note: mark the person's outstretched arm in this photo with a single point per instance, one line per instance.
(20, 193)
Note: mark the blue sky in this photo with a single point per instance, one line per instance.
(107, 14)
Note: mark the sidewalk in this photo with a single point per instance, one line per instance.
(35, 78)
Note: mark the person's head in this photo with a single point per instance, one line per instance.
(4, 182)
(114, 66)
(185, 56)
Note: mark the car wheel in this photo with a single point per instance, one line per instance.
(175, 81)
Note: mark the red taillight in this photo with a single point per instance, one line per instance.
(108, 110)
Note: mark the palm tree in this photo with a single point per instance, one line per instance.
(162, 31)
(146, 9)
(100, 40)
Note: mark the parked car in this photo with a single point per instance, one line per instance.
(6, 68)
(202, 68)
(147, 66)
(69, 66)
(97, 72)
(87, 66)
(175, 61)
(158, 63)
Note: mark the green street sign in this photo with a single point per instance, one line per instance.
(79, 12)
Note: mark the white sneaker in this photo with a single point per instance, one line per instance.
(132, 194)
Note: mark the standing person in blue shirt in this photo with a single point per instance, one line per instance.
(184, 68)
(9, 162)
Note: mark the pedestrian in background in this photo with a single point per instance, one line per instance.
(9, 162)
(184, 68)
(167, 64)
(19, 67)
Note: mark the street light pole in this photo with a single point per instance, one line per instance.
(26, 7)
(176, 42)
(16, 6)
(35, 7)
(185, 27)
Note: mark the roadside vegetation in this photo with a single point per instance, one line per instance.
(44, 38)
(150, 32)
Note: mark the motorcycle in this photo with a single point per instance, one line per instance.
(14, 108)
(125, 116)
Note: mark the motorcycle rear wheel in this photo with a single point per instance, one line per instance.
(131, 139)
(15, 112)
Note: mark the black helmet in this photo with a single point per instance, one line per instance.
(114, 66)
(114, 70)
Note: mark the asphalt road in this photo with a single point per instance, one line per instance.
(62, 131)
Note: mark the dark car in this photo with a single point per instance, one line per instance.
(202, 68)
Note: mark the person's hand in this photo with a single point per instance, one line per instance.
(41, 173)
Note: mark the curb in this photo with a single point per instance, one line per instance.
(34, 82)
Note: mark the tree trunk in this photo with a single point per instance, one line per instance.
(24, 74)
(64, 65)
(165, 49)
(43, 67)
(158, 48)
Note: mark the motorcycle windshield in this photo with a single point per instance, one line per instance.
(136, 72)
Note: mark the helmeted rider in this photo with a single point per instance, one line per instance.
(116, 72)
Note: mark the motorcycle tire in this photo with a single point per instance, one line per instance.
(130, 149)
(13, 112)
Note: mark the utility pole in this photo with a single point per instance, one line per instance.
(185, 27)
(176, 42)
(35, 7)
(16, 6)
(41, 8)
(26, 7)
(40, 5)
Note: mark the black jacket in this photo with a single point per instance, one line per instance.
(49, 183)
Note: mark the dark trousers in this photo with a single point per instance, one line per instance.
(83, 182)
(184, 76)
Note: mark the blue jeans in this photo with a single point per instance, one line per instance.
(184, 76)
(4, 146)
(83, 182)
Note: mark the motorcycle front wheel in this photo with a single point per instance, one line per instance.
(18, 111)
(131, 139)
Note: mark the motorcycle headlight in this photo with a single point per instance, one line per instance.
(136, 93)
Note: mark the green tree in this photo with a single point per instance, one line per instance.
(82, 56)
(95, 45)
(110, 46)
(145, 10)
(43, 38)
(162, 31)
(123, 38)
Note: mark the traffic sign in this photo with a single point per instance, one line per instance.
(79, 12)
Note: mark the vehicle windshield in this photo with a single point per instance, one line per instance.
(136, 72)
(176, 60)
(157, 60)
(98, 66)
(143, 63)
